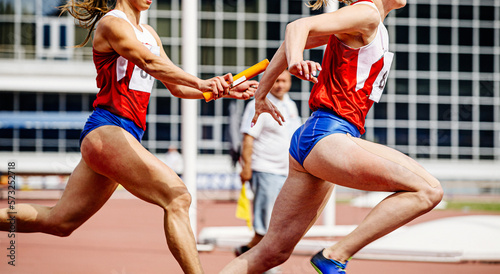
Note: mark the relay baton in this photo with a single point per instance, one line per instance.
(241, 77)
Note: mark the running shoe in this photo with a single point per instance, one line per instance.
(327, 266)
(240, 250)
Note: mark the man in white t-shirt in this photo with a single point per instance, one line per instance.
(264, 154)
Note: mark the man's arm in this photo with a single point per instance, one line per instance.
(246, 158)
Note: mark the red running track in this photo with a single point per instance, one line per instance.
(126, 236)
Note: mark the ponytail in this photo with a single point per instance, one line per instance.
(88, 13)
(320, 3)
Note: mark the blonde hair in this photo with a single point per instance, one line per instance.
(320, 3)
(88, 13)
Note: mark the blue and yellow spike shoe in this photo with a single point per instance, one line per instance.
(327, 266)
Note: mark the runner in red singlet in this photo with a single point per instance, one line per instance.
(327, 150)
(128, 57)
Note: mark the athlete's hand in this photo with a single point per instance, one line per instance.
(245, 90)
(305, 70)
(218, 85)
(264, 105)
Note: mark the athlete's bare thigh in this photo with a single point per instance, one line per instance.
(116, 154)
(360, 164)
(85, 193)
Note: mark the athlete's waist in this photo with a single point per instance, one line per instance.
(127, 113)
(329, 112)
(325, 112)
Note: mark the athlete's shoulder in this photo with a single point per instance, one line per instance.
(112, 24)
(366, 14)
(149, 28)
(367, 10)
(362, 24)
(109, 28)
(153, 32)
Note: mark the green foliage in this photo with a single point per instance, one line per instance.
(474, 206)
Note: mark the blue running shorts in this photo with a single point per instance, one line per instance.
(320, 124)
(101, 117)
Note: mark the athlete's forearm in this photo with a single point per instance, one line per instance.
(296, 35)
(277, 65)
(316, 41)
(165, 71)
(183, 84)
(184, 91)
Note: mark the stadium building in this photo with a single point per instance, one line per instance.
(441, 104)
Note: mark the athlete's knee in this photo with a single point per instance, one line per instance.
(62, 229)
(179, 201)
(276, 254)
(431, 196)
(436, 195)
(280, 257)
(59, 225)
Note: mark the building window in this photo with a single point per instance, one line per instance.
(439, 102)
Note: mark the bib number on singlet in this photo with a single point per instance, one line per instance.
(141, 80)
(381, 80)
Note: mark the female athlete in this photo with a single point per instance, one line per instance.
(327, 150)
(128, 57)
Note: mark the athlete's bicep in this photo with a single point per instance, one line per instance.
(121, 37)
(316, 41)
(163, 54)
(352, 19)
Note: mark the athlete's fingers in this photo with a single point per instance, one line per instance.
(254, 119)
(309, 70)
(275, 114)
(312, 71)
(220, 86)
(313, 68)
(244, 90)
(216, 87)
(260, 107)
(264, 105)
(278, 116)
(296, 70)
(224, 85)
(253, 84)
(318, 67)
(228, 78)
(249, 93)
(252, 88)
(212, 87)
(305, 69)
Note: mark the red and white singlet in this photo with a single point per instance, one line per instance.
(124, 87)
(352, 79)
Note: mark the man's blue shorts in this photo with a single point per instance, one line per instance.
(320, 124)
(101, 117)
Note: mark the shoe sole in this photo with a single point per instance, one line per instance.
(317, 270)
